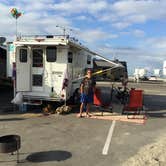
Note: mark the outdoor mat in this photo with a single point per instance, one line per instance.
(139, 119)
(31, 115)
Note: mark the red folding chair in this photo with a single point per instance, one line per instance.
(135, 105)
(102, 101)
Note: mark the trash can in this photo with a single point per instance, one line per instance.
(23, 107)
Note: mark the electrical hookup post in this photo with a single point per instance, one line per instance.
(16, 14)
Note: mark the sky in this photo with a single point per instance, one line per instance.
(128, 30)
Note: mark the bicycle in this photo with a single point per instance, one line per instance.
(122, 94)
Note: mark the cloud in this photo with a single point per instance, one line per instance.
(82, 17)
(77, 6)
(134, 33)
(158, 43)
(121, 25)
(120, 51)
(144, 9)
(138, 33)
(35, 20)
(6, 22)
(124, 13)
(95, 36)
(135, 57)
(44, 25)
(30, 5)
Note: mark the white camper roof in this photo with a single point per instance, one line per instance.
(41, 40)
(58, 40)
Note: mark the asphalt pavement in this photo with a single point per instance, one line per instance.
(65, 140)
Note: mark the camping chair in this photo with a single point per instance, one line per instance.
(102, 100)
(135, 105)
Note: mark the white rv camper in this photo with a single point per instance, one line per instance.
(47, 65)
(10, 59)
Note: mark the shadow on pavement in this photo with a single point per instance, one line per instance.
(6, 95)
(46, 156)
(155, 105)
(11, 119)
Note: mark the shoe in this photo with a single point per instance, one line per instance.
(79, 116)
(88, 115)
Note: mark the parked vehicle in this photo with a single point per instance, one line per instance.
(152, 78)
(48, 68)
(122, 94)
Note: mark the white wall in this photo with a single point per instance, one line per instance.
(10, 59)
(164, 68)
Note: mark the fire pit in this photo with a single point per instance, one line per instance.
(10, 144)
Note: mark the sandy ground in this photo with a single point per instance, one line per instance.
(152, 155)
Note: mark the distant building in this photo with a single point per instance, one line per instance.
(157, 72)
(114, 74)
(164, 68)
(140, 72)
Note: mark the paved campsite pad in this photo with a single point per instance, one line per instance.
(80, 140)
(139, 119)
(65, 140)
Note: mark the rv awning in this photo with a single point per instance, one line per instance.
(103, 63)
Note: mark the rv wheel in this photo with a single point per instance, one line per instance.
(76, 97)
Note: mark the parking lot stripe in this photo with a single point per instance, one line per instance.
(109, 137)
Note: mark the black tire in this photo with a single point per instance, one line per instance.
(76, 97)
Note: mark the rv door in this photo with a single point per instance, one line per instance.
(23, 64)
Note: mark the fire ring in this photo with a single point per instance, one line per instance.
(10, 144)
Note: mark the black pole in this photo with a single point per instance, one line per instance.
(18, 156)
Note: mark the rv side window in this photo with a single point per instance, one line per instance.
(37, 80)
(51, 53)
(23, 55)
(37, 58)
(70, 57)
(88, 59)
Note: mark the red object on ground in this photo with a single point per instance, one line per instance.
(136, 99)
(135, 104)
(97, 98)
(102, 97)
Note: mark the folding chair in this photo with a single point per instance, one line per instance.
(101, 100)
(135, 105)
